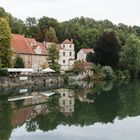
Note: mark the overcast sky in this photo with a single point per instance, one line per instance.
(118, 11)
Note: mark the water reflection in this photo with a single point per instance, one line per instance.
(77, 104)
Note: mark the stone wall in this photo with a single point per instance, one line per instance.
(16, 80)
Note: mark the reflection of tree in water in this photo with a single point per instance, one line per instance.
(39, 122)
(118, 102)
(107, 105)
(5, 118)
(19, 103)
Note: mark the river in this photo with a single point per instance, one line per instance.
(77, 111)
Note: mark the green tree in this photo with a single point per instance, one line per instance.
(31, 27)
(90, 57)
(53, 56)
(45, 23)
(31, 21)
(5, 44)
(2, 12)
(50, 35)
(107, 50)
(130, 55)
(17, 26)
(19, 63)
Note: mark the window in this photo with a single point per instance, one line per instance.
(64, 94)
(70, 53)
(63, 53)
(63, 46)
(63, 102)
(63, 61)
(70, 102)
(70, 46)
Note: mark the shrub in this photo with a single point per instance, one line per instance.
(108, 72)
(3, 72)
(126, 73)
(96, 69)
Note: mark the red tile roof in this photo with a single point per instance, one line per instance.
(34, 44)
(87, 50)
(23, 45)
(19, 44)
(59, 47)
(67, 41)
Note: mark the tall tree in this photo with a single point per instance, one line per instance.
(2, 12)
(5, 43)
(53, 54)
(130, 55)
(45, 23)
(31, 21)
(50, 35)
(31, 27)
(17, 26)
(106, 50)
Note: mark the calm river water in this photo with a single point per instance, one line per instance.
(78, 111)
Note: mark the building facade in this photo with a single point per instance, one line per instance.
(66, 54)
(66, 101)
(33, 53)
(82, 54)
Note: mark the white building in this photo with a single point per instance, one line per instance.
(67, 55)
(82, 54)
(66, 101)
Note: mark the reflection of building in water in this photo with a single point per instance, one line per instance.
(66, 101)
(85, 99)
(28, 100)
(28, 106)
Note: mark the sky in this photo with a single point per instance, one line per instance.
(117, 11)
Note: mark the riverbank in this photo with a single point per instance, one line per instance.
(18, 80)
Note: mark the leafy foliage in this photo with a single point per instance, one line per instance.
(106, 50)
(130, 55)
(50, 35)
(108, 72)
(53, 56)
(5, 44)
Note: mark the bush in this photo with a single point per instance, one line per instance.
(3, 72)
(96, 69)
(108, 72)
(119, 74)
(69, 71)
(126, 73)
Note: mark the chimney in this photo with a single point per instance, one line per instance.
(71, 40)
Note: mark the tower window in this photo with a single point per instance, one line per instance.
(63, 102)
